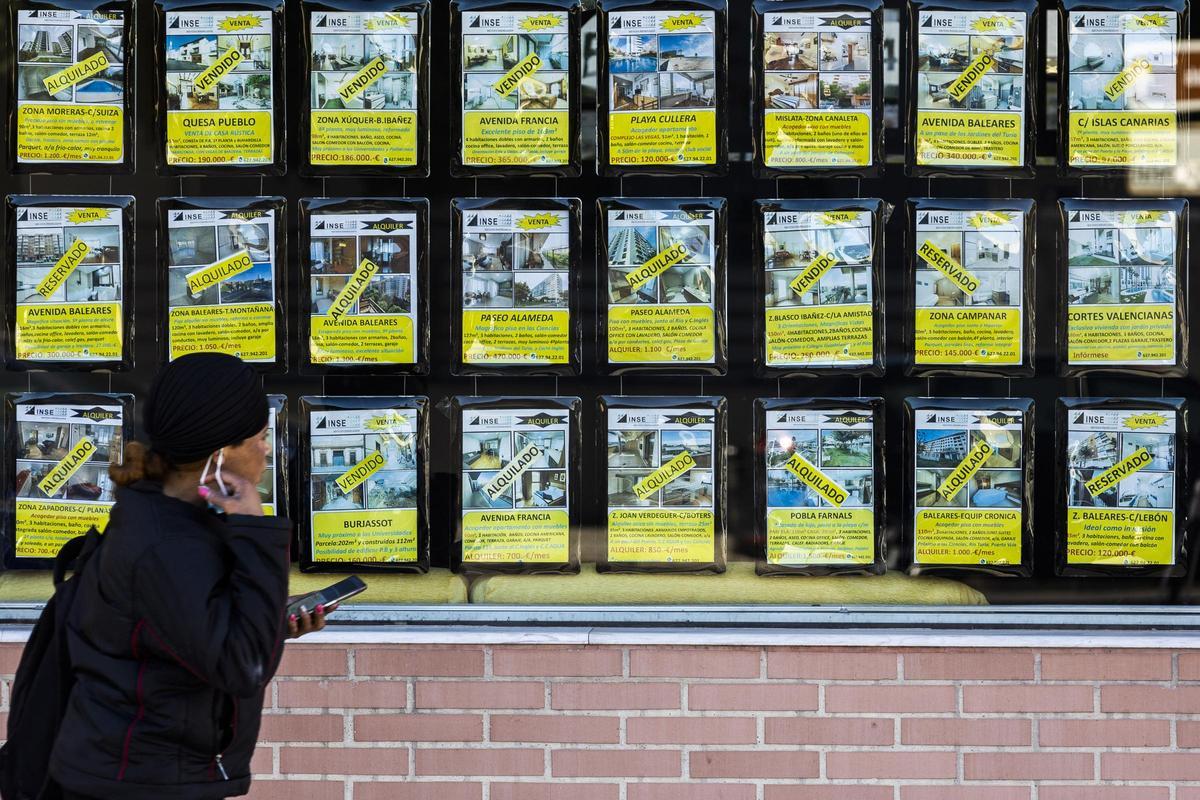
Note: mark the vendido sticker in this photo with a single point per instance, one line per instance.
(662, 88)
(61, 473)
(970, 89)
(1122, 273)
(363, 288)
(819, 296)
(968, 487)
(515, 485)
(363, 76)
(364, 491)
(69, 283)
(516, 285)
(70, 86)
(660, 278)
(220, 88)
(817, 102)
(221, 282)
(820, 487)
(516, 85)
(969, 302)
(661, 471)
(1122, 94)
(1121, 487)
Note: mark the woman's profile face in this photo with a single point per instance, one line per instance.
(248, 458)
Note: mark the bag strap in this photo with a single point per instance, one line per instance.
(75, 553)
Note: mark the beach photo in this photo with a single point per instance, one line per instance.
(686, 51)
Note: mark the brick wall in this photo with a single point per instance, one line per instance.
(545, 722)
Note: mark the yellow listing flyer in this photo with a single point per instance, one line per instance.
(364, 89)
(1121, 84)
(70, 84)
(69, 283)
(61, 473)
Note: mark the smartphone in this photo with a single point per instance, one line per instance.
(329, 595)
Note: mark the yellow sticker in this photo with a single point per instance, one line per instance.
(533, 222)
(81, 70)
(525, 68)
(1124, 536)
(1140, 421)
(58, 476)
(989, 219)
(387, 421)
(354, 288)
(207, 80)
(63, 268)
(384, 535)
(808, 473)
(957, 479)
(361, 80)
(665, 535)
(349, 480)
(661, 477)
(1127, 466)
(994, 23)
(508, 474)
(540, 22)
(813, 273)
(961, 86)
(244, 22)
(682, 22)
(1154, 20)
(514, 537)
(1126, 78)
(659, 262)
(940, 260)
(386, 21)
(78, 216)
(209, 276)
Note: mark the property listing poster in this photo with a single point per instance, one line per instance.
(969, 285)
(660, 485)
(516, 287)
(364, 485)
(819, 304)
(1121, 487)
(970, 89)
(817, 89)
(69, 292)
(364, 89)
(363, 287)
(270, 483)
(61, 475)
(1121, 279)
(70, 86)
(1122, 91)
(821, 485)
(515, 482)
(662, 88)
(660, 286)
(968, 487)
(515, 83)
(220, 88)
(221, 282)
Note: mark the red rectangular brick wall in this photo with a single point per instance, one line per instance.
(548, 722)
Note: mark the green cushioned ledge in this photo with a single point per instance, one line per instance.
(738, 586)
(436, 587)
(26, 586)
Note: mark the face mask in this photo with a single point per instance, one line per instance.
(220, 455)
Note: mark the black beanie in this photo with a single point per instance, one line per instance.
(202, 402)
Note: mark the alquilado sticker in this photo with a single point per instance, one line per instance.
(660, 286)
(220, 88)
(820, 479)
(1122, 272)
(221, 283)
(1122, 96)
(516, 285)
(364, 89)
(364, 490)
(70, 293)
(969, 306)
(516, 89)
(70, 83)
(362, 287)
(1121, 487)
(662, 88)
(968, 487)
(660, 485)
(817, 89)
(970, 92)
(61, 474)
(515, 485)
(819, 297)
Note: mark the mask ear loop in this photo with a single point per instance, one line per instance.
(220, 454)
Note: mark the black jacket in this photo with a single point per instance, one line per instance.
(176, 632)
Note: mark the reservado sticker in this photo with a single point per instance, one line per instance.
(70, 281)
(71, 86)
(64, 447)
(220, 87)
(1121, 88)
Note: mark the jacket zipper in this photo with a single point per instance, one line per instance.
(221, 768)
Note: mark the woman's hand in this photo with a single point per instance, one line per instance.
(243, 500)
(304, 622)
